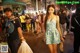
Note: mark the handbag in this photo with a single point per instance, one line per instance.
(24, 48)
(61, 47)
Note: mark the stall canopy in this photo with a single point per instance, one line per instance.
(13, 2)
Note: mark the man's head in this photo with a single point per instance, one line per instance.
(8, 12)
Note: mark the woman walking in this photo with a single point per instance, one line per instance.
(52, 29)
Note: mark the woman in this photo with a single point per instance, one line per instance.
(52, 29)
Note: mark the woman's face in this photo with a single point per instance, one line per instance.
(51, 10)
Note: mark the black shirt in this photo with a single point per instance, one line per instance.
(63, 18)
(12, 28)
(74, 23)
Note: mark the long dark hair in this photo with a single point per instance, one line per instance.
(47, 14)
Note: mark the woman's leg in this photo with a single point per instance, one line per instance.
(51, 48)
(55, 48)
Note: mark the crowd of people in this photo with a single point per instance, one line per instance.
(35, 21)
(54, 25)
(32, 22)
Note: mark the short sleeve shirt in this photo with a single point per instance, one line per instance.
(12, 28)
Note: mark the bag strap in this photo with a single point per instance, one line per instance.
(76, 21)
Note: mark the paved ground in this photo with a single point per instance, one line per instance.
(37, 44)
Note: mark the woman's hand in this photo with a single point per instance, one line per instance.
(62, 39)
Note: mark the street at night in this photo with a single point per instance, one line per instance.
(38, 44)
(39, 26)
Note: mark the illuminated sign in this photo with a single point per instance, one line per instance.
(67, 2)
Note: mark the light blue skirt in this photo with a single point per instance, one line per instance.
(52, 37)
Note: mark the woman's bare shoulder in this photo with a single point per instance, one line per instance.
(57, 17)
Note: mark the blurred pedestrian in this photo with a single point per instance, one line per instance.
(75, 23)
(15, 12)
(33, 23)
(38, 23)
(63, 22)
(42, 21)
(28, 22)
(52, 29)
(3, 22)
(23, 22)
(1, 19)
(13, 29)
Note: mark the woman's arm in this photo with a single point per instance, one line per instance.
(59, 29)
(44, 27)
